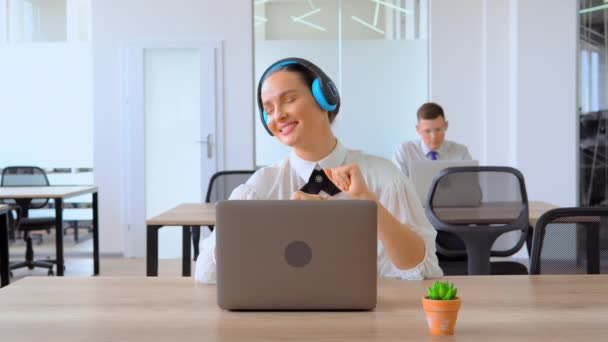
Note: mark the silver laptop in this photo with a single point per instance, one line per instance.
(422, 173)
(296, 255)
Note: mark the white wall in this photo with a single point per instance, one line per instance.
(505, 71)
(498, 132)
(46, 104)
(116, 22)
(546, 99)
(455, 67)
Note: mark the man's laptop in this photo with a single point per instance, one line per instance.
(423, 172)
(296, 255)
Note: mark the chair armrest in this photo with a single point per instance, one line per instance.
(13, 222)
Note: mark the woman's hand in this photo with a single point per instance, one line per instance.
(301, 195)
(349, 179)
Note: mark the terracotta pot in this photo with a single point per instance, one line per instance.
(441, 315)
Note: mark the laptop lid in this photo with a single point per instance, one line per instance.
(422, 173)
(296, 255)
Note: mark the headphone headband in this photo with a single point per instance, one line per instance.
(323, 89)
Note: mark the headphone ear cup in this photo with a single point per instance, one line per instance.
(265, 122)
(319, 95)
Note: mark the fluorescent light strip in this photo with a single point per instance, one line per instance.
(258, 18)
(311, 4)
(593, 9)
(307, 14)
(368, 25)
(259, 2)
(308, 23)
(376, 13)
(400, 9)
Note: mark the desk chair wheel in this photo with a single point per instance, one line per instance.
(51, 273)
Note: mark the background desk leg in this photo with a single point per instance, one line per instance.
(196, 238)
(95, 235)
(59, 234)
(4, 255)
(152, 251)
(186, 251)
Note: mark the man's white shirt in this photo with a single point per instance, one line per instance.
(415, 150)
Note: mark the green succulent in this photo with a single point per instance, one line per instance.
(442, 291)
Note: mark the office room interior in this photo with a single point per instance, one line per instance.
(139, 103)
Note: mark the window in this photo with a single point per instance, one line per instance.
(47, 20)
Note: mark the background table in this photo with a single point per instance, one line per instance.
(494, 308)
(184, 215)
(201, 214)
(4, 255)
(58, 194)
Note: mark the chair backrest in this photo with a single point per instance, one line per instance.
(571, 241)
(25, 176)
(478, 197)
(222, 183)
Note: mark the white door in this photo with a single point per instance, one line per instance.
(172, 102)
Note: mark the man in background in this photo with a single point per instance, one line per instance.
(432, 145)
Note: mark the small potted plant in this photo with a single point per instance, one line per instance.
(441, 307)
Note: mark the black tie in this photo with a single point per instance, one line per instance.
(318, 181)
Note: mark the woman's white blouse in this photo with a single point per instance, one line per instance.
(394, 191)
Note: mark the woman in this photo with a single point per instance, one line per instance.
(298, 103)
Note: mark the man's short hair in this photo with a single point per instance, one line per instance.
(430, 111)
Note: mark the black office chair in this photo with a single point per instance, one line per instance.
(571, 241)
(471, 207)
(28, 176)
(220, 187)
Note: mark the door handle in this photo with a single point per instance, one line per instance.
(209, 142)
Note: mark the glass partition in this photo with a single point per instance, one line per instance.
(593, 102)
(375, 51)
(593, 112)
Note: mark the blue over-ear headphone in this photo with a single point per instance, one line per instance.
(323, 89)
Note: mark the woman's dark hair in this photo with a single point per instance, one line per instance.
(308, 77)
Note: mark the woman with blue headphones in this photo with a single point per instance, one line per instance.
(297, 103)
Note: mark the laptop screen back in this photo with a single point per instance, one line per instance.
(423, 172)
(296, 255)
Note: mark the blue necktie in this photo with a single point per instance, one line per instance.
(433, 155)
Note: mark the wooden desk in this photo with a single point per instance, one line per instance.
(200, 214)
(58, 194)
(185, 215)
(4, 255)
(496, 308)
